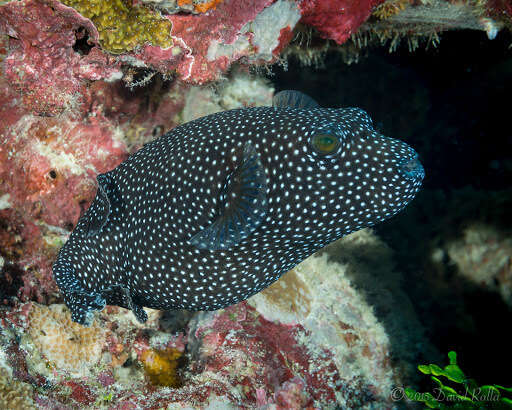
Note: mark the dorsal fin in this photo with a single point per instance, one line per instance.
(293, 99)
(243, 204)
(97, 215)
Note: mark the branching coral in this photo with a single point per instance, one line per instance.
(123, 27)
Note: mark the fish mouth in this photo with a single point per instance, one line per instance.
(411, 168)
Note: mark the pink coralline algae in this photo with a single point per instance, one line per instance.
(236, 31)
(63, 120)
(204, 46)
(48, 167)
(223, 25)
(268, 363)
(41, 65)
(500, 8)
(335, 19)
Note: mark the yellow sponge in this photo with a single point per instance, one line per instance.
(122, 26)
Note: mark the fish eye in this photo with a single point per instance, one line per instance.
(325, 143)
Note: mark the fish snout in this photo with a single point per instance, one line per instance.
(411, 168)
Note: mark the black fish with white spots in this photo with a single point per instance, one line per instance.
(217, 209)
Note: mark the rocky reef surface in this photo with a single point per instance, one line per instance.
(314, 338)
(83, 84)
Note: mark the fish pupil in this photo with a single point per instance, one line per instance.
(325, 143)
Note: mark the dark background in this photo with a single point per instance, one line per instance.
(453, 104)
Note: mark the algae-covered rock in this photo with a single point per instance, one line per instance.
(336, 330)
(483, 255)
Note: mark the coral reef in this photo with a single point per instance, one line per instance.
(336, 20)
(390, 8)
(315, 333)
(15, 395)
(200, 45)
(80, 42)
(358, 25)
(197, 41)
(242, 90)
(65, 114)
(310, 340)
(122, 26)
(192, 6)
(41, 69)
(161, 366)
(50, 180)
(77, 97)
(425, 20)
(253, 33)
(65, 344)
(402, 19)
(484, 256)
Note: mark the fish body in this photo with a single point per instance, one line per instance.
(219, 208)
